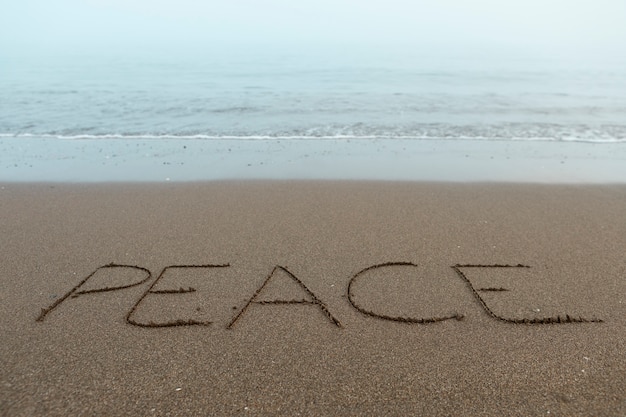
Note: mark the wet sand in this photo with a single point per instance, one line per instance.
(312, 297)
(35, 159)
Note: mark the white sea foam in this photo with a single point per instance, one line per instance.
(312, 137)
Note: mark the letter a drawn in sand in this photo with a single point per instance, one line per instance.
(310, 298)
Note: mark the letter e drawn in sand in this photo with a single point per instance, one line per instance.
(310, 299)
(558, 319)
(76, 291)
(180, 290)
(371, 313)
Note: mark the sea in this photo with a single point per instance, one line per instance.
(305, 92)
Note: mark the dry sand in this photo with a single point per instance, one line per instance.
(289, 262)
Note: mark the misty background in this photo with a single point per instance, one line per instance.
(593, 29)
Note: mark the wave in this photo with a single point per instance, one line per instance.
(299, 137)
(504, 132)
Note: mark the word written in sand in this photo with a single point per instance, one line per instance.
(142, 275)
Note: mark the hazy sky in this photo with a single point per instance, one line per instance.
(584, 24)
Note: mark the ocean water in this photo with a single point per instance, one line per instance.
(349, 93)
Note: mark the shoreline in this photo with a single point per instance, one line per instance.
(220, 298)
(171, 160)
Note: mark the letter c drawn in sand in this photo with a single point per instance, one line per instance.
(409, 320)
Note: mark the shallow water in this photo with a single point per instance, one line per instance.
(341, 93)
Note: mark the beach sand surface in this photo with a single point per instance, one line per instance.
(312, 298)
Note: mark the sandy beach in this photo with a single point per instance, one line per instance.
(312, 208)
(312, 298)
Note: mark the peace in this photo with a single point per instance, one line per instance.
(308, 297)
